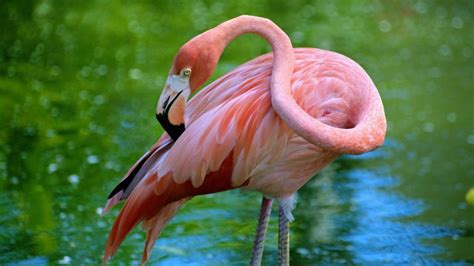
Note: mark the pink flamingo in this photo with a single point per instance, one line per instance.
(268, 126)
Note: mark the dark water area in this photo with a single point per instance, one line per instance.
(78, 86)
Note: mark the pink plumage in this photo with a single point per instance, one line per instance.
(234, 114)
(234, 137)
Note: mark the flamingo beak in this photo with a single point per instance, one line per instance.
(171, 106)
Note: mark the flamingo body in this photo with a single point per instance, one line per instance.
(235, 139)
(234, 114)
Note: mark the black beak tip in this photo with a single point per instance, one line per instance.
(174, 131)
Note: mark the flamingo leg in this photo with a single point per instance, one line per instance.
(283, 238)
(263, 217)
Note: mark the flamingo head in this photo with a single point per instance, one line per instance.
(171, 105)
(193, 65)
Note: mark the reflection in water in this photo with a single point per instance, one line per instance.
(78, 87)
(380, 236)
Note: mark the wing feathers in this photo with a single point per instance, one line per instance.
(136, 173)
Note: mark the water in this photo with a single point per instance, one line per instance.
(78, 86)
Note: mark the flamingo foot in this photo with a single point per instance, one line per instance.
(263, 217)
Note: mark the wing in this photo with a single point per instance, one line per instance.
(137, 172)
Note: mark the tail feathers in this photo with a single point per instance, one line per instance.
(121, 228)
(154, 226)
(141, 207)
(136, 209)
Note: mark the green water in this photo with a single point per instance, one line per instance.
(78, 85)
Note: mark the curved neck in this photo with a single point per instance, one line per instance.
(365, 136)
(283, 56)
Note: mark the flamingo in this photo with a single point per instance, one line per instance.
(269, 125)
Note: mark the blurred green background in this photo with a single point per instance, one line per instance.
(78, 85)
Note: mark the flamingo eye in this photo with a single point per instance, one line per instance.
(186, 72)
